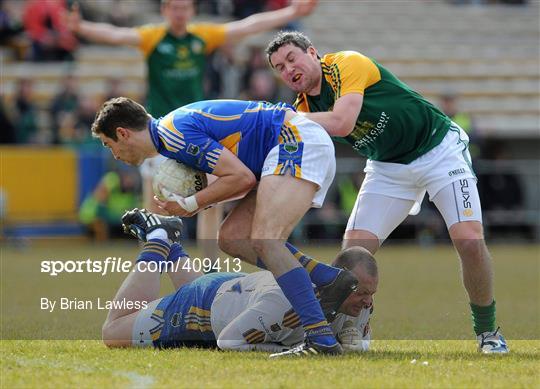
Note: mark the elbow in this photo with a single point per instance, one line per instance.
(342, 128)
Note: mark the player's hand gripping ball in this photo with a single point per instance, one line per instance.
(175, 177)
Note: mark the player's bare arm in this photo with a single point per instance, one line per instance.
(266, 21)
(101, 32)
(341, 120)
(234, 179)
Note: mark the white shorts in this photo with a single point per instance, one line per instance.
(305, 151)
(390, 190)
(146, 324)
(149, 167)
(254, 310)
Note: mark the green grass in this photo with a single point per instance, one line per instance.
(451, 364)
(421, 314)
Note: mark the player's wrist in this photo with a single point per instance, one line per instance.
(190, 204)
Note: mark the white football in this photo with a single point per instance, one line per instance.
(175, 177)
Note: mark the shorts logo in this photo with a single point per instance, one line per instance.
(291, 148)
(468, 212)
(192, 149)
(465, 196)
(456, 172)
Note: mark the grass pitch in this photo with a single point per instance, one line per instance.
(421, 326)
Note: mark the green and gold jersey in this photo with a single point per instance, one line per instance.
(395, 124)
(176, 65)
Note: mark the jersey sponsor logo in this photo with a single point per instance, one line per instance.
(365, 133)
(456, 172)
(165, 48)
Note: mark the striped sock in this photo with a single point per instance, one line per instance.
(297, 287)
(155, 250)
(321, 274)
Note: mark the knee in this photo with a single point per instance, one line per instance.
(468, 238)
(228, 239)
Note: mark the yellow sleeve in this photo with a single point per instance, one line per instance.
(301, 104)
(151, 35)
(213, 35)
(350, 72)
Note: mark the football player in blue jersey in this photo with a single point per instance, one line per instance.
(242, 143)
(234, 311)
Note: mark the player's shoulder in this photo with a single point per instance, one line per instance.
(203, 28)
(342, 58)
(157, 28)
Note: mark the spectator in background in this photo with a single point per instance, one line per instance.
(114, 88)
(450, 106)
(45, 25)
(11, 28)
(25, 120)
(262, 86)
(101, 211)
(7, 130)
(67, 100)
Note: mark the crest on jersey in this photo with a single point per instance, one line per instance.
(291, 148)
(196, 47)
(176, 319)
(193, 149)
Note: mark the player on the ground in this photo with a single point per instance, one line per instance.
(234, 311)
(175, 53)
(411, 146)
(242, 142)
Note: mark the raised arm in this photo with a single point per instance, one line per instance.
(341, 120)
(266, 21)
(101, 32)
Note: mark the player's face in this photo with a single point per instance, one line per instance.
(123, 149)
(178, 13)
(363, 297)
(300, 70)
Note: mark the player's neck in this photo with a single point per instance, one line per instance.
(315, 90)
(178, 31)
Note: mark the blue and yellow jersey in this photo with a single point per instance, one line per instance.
(183, 318)
(197, 133)
(176, 65)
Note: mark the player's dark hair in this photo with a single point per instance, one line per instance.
(119, 112)
(354, 256)
(283, 38)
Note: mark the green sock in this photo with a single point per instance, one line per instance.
(483, 318)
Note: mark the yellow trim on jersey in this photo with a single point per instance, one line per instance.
(212, 116)
(315, 325)
(213, 35)
(151, 35)
(199, 311)
(231, 142)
